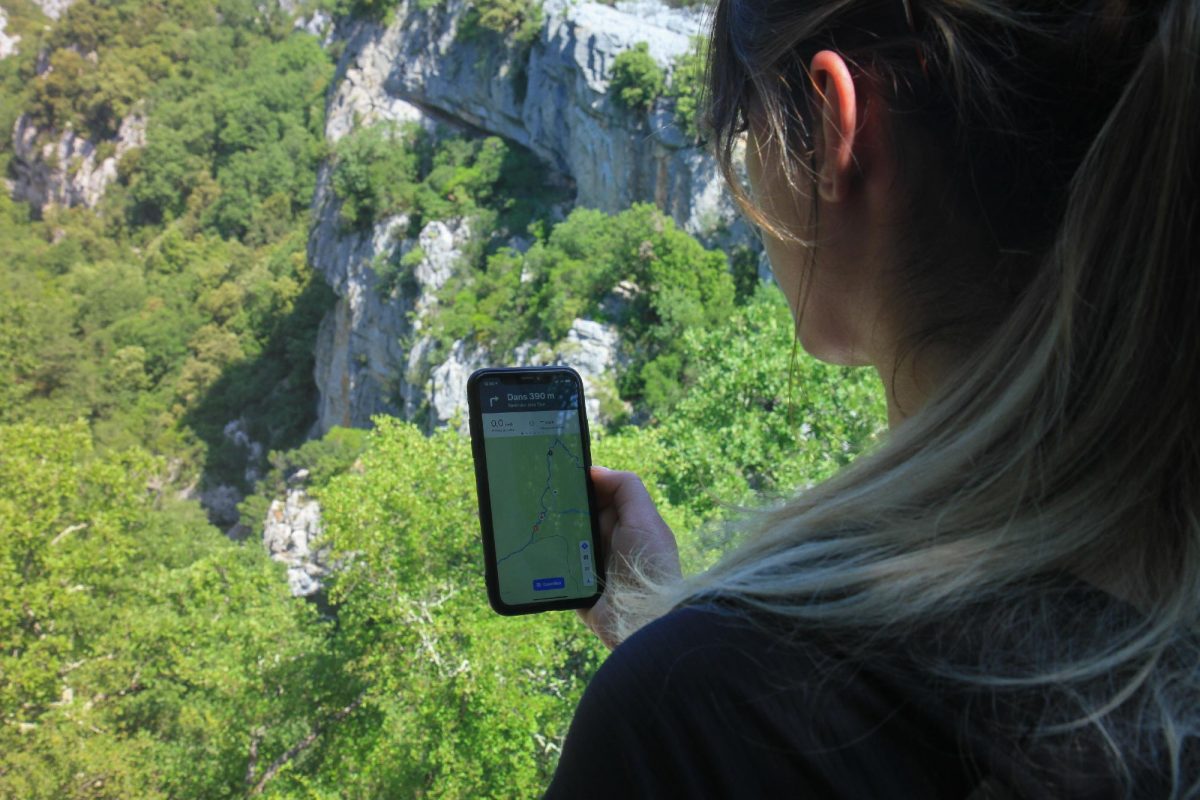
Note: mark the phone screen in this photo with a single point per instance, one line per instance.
(533, 433)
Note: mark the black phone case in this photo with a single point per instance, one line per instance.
(491, 573)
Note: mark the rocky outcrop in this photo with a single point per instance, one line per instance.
(67, 169)
(371, 354)
(448, 384)
(589, 347)
(53, 8)
(291, 534)
(551, 97)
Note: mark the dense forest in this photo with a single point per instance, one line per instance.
(145, 652)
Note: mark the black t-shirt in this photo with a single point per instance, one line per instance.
(706, 703)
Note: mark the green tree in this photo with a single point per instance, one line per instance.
(461, 703)
(141, 652)
(758, 420)
(374, 170)
(637, 79)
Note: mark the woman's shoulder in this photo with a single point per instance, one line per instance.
(709, 701)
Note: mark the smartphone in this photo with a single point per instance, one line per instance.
(537, 507)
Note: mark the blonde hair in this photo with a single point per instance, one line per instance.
(1068, 439)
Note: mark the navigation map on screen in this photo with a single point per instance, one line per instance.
(534, 449)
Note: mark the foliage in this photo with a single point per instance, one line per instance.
(160, 346)
(323, 459)
(374, 171)
(757, 422)
(103, 55)
(383, 169)
(236, 153)
(140, 650)
(186, 301)
(635, 268)
(462, 703)
(743, 268)
(686, 87)
(516, 21)
(637, 79)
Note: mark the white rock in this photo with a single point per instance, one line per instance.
(301, 583)
(590, 348)
(53, 8)
(8, 44)
(593, 346)
(685, 21)
(448, 384)
(235, 432)
(319, 24)
(441, 242)
(63, 171)
(290, 533)
(560, 108)
(372, 354)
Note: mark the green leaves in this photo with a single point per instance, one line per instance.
(374, 168)
(637, 79)
(669, 284)
(385, 169)
(138, 647)
(220, 149)
(752, 425)
(465, 703)
(686, 86)
(518, 21)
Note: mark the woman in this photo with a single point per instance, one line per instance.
(995, 204)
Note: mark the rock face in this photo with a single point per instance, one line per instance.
(551, 97)
(290, 534)
(591, 348)
(370, 355)
(65, 170)
(53, 8)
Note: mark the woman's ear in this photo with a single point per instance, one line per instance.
(836, 126)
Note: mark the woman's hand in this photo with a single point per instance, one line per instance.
(630, 529)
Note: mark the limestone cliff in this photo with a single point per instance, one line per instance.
(552, 98)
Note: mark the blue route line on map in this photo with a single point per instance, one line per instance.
(542, 500)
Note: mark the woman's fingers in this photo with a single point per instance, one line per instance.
(631, 531)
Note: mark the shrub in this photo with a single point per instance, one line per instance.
(519, 21)
(686, 86)
(374, 170)
(637, 79)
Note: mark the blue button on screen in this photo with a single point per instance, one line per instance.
(546, 584)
